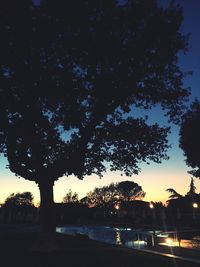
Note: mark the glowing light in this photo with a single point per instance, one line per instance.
(162, 235)
(195, 205)
(118, 237)
(140, 242)
(117, 206)
(151, 206)
(169, 241)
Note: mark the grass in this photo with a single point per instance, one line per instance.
(17, 248)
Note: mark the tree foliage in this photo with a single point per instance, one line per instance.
(109, 195)
(191, 193)
(78, 70)
(19, 199)
(192, 190)
(103, 196)
(190, 137)
(173, 193)
(72, 75)
(70, 197)
(130, 191)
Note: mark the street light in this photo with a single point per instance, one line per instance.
(117, 206)
(169, 241)
(195, 205)
(151, 206)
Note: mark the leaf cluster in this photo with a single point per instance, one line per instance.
(70, 72)
(190, 137)
(70, 197)
(19, 199)
(108, 196)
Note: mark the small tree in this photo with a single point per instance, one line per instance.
(130, 191)
(190, 137)
(173, 193)
(107, 196)
(190, 193)
(70, 197)
(192, 190)
(104, 196)
(19, 207)
(19, 199)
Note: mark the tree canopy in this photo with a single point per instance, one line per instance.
(192, 190)
(174, 193)
(73, 71)
(105, 196)
(190, 194)
(130, 190)
(19, 199)
(70, 197)
(190, 137)
(113, 193)
(72, 75)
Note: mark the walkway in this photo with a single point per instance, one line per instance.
(190, 255)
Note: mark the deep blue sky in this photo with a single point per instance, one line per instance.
(154, 178)
(191, 61)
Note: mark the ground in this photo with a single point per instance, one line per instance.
(18, 247)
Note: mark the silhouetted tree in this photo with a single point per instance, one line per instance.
(70, 197)
(109, 195)
(104, 196)
(190, 193)
(192, 190)
(181, 210)
(130, 191)
(189, 137)
(157, 205)
(19, 207)
(71, 72)
(19, 199)
(173, 193)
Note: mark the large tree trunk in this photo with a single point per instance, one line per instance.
(47, 217)
(47, 239)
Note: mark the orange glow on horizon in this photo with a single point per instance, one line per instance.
(153, 181)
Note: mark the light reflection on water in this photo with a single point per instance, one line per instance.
(129, 237)
(192, 244)
(119, 236)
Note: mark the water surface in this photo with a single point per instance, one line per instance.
(112, 235)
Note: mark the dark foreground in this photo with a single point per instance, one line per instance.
(18, 248)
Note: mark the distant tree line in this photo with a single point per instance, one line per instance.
(19, 207)
(115, 203)
(114, 193)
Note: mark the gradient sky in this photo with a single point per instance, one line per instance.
(154, 178)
